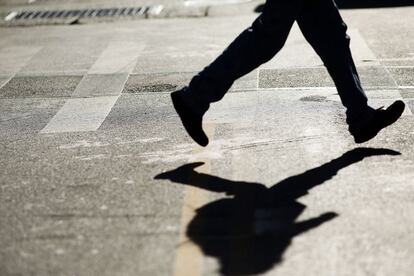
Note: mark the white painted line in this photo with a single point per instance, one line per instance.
(100, 85)
(142, 10)
(84, 114)
(4, 81)
(118, 57)
(361, 52)
(156, 10)
(300, 88)
(367, 88)
(396, 59)
(11, 16)
(57, 73)
(400, 66)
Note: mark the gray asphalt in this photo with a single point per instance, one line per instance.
(90, 202)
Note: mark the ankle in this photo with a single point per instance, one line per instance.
(361, 118)
(189, 97)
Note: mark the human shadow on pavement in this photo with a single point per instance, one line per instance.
(249, 231)
(362, 4)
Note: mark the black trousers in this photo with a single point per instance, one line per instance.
(321, 25)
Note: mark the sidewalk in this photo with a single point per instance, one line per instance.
(86, 126)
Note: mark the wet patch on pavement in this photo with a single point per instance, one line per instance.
(313, 99)
(168, 82)
(163, 82)
(162, 87)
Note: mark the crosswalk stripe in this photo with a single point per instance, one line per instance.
(118, 57)
(98, 91)
(95, 85)
(83, 114)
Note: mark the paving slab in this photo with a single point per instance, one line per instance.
(391, 39)
(75, 59)
(288, 57)
(157, 82)
(168, 82)
(407, 93)
(371, 77)
(404, 61)
(23, 116)
(170, 62)
(247, 82)
(12, 59)
(42, 87)
(403, 76)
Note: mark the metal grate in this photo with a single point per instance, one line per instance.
(84, 13)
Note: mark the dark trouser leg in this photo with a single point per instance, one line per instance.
(323, 27)
(251, 48)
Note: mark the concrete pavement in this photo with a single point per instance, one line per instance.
(92, 154)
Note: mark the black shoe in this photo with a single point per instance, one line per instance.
(379, 119)
(192, 121)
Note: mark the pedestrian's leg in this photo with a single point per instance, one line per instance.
(324, 29)
(253, 47)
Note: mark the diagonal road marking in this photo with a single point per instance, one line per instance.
(98, 91)
(84, 114)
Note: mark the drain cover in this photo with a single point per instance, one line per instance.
(214, 2)
(83, 13)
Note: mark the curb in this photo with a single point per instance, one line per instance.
(40, 15)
